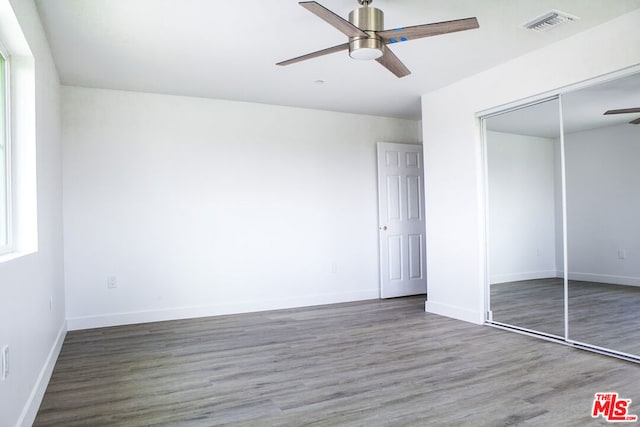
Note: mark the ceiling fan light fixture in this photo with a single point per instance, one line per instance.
(365, 54)
(366, 49)
(369, 20)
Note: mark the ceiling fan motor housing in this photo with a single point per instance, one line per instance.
(369, 20)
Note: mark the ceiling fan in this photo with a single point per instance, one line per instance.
(368, 40)
(626, 111)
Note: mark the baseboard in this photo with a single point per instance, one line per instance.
(587, 277)
(516, 277)
(30, 410)
(455, 312)
(175, 313)
(605, 278)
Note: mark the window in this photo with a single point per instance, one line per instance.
(18, 189)
(5, 238)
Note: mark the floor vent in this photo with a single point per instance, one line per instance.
(549, 21)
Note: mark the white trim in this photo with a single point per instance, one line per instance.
(513, 106)
(603, 350)
(485, 213)
(454, 312)
(563, 202)
(585, 277)
(527, 275)
(30, 410)
(530, 332)
(9, 246)
(159, 315)
(15, 255)
(569, 343)
(599, 79)
(605, 278)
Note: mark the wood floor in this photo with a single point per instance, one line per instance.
(373, 363)
(600, 314)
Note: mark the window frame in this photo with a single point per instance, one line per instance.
(7, 247)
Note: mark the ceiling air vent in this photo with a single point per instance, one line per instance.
(549, 21)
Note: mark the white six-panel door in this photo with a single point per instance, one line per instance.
(401, 220)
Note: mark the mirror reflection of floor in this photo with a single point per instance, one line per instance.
(600, 314)
(531, 304)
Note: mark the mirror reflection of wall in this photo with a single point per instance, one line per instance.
(525, 218)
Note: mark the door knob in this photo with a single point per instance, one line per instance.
(383, 228)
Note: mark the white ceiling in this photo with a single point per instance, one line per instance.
(228, 49)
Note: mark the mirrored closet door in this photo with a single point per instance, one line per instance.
(602, 160)
(524, 218)
(575, 160)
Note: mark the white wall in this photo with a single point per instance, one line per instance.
(603, 207)
(453, 156)
(521, 203)
(31, 330)
(202, 207)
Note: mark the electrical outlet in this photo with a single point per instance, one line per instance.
(5, 362)
(112, 282)
(333, 268)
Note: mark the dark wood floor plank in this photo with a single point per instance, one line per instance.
(373, 363)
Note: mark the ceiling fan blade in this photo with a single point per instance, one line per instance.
(635, 122)
(340, 23)
(326, 51)
(391, 62)
(427, 30)
(623, 111)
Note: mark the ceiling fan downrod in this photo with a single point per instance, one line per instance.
(364, 2)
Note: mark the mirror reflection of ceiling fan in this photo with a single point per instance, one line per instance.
(625, 111)
(368, 40)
